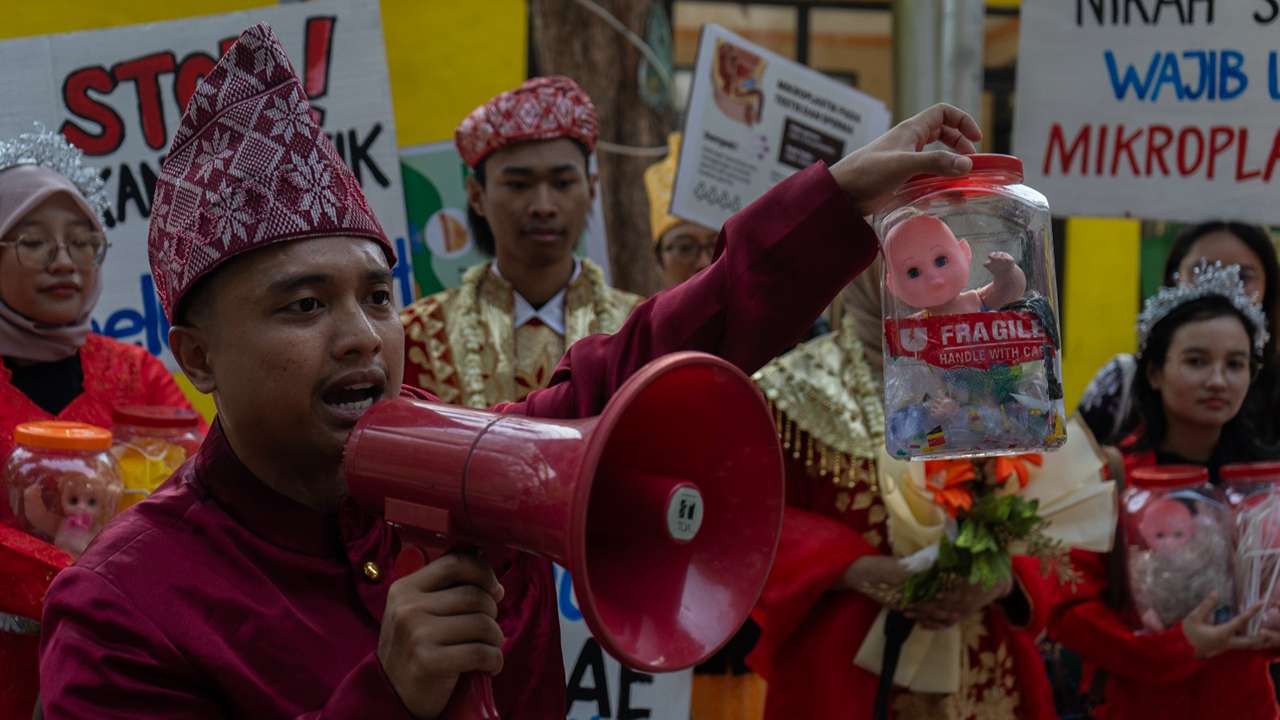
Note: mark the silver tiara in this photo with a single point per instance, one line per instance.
(51, 150)
(1206, 280)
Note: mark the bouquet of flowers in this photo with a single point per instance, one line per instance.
(953, 522)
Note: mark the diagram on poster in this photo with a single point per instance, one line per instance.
(755, 118)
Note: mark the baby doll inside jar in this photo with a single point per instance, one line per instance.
(1178, 545)
(1251, 490)
(61, 482)
(972, 348)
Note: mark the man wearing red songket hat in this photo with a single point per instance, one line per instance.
(249, 586)
(500, 334)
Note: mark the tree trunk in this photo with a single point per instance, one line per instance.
(570, 40)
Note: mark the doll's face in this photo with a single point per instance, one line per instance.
(926, 265)
(1166, 525)
(85, 497)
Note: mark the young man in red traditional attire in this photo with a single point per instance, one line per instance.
(499, 335)
(249, 586)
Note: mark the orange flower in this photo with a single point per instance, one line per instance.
(948, 481)
(1010, 465)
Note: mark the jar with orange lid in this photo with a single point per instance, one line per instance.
(61, 483)
(1178, 545)
(150, 443)
(1251, 489)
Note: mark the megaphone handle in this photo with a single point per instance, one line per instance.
(472, 697)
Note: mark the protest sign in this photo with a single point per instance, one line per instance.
(1154, 109)
(755, 118)
(601, 688)
(118, 94)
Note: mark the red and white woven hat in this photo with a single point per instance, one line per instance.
(248, 167)
(543, 108)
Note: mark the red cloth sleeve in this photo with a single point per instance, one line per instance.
(782, 260)
(108, 660)
(1083, 622)
(813, 552)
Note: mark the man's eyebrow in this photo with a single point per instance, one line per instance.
(524, 170)
(379, 275)
(293, 282)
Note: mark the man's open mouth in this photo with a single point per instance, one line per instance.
(349, 395)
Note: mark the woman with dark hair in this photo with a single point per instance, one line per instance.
(1109, 404)
(1199, 346)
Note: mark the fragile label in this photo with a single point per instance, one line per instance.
(974, 340)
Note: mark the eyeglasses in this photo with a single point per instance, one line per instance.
(687, 250)
(37, 250)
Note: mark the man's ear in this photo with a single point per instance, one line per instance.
(593, 182)
(475, 195)
(190, 348)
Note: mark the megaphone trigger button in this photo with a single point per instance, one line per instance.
(371, 571)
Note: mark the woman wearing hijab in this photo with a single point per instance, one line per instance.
(52, 367)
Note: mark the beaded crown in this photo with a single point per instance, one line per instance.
(1206, 280)
(50, 150)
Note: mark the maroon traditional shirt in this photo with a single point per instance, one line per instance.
(218, 597)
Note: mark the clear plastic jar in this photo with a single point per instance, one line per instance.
(1178, 545)
(1251, 489)
(1246, 483)
(62, 485)
(152, 442)
(972, 352)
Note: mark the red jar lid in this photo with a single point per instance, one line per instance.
(982, 163)
(155, 416)
(1245, 473)
(1169, 476)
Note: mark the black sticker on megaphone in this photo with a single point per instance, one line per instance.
(684, 513)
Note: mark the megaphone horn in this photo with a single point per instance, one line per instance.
(666, 508)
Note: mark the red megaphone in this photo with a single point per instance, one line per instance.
(666, 508)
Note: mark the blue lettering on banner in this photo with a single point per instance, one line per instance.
(1273, 83)
(1220, 75)
(127, 323)
(568, 608)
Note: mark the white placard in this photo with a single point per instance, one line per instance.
(601, 688)
(115, 93)
(754, 118)
(1151, 109)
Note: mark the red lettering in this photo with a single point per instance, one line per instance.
(1220, 137)
(1241, 150)
(225, 44)
(1102, 149)
(75, 95)
(1183, 135)
(1156, 148)
(192, 68)
(145, 74)
(1273, 158)
(1125, 145)
(1067, 156)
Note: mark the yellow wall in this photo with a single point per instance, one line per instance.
(1100, 296)
(444, 57)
